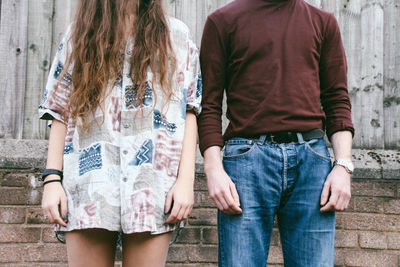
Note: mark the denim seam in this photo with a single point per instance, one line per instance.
(253, 145)
(309, 148)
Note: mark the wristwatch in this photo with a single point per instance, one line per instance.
(347, 164)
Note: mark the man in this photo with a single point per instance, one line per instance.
(279, 62)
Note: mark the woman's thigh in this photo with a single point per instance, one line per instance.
(144, 249)
(91, 247)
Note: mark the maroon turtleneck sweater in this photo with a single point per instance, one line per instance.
(283, 67)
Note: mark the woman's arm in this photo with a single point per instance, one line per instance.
(181, 194)
(53, 193)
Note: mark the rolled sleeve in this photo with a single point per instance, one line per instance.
(195, 84)
(58, 89)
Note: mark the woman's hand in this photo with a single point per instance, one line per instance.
(54, 202)
(179, 202)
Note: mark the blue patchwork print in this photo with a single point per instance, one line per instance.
(131, 100)
(43, 99)
(160, 122)
(68, 148)
(199, 88)
(67, 77)
(144, 155)
(118, 82)
(90, 159)
(184, 103)
(60, 47)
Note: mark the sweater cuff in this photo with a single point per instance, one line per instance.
(209, 141)
(339, 126)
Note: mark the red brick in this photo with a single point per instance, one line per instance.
(210, 235)
(382, 189)
(21, 180)
(202, 200)
(364, 221)
(346, 239)
(375, 240)
(11, 253)
(177, 253)
(275, 238)
(12, 215)
(370, 259)
(393, 240)
(367, 204)
(200, 183)
(275, 255)
(46, 253)
(189, 235)
(19, 196)
(48, 235)
(19, 234)
(203, 254)
(30, 264)
(392, 206)
(339, 257)
(203, 217)
(35, 215)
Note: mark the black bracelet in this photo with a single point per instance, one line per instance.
(47, 172)
(50, 181)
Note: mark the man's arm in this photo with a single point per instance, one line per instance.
(337, 188)
(213, 60)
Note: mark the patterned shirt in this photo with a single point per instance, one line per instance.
(118, 173)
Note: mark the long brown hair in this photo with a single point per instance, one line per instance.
(99, 37)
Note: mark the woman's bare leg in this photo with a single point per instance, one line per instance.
(91, 247)
(144, 249)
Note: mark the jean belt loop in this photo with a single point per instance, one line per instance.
(262, 139)
(300, 138)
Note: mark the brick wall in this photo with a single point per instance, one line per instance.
(368, 233)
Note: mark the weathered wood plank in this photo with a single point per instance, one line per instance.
(64, 12)
(316, 3)
(391, 78)
(13, 49)
(371, 102)
(38, 64)
(186, 11)
(170, 7)
(351, 34)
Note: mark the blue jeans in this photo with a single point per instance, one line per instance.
(277, 179)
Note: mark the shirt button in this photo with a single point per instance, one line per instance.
(126, 125)
(125, 152)
(124, 179)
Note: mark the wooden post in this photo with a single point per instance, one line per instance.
(371, 99)
(13, 49)
(38, 64)
(391, 78)
(351, 33)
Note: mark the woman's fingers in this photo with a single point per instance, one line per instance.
(55, 214)
(168, 203)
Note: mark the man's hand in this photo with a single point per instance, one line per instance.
(337, 189)
(336, 193)
(220, 186)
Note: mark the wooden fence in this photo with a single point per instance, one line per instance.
(31, 29)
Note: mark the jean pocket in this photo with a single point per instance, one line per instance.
(318, 148)
(233, 151)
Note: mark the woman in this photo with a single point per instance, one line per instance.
(123, 94)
